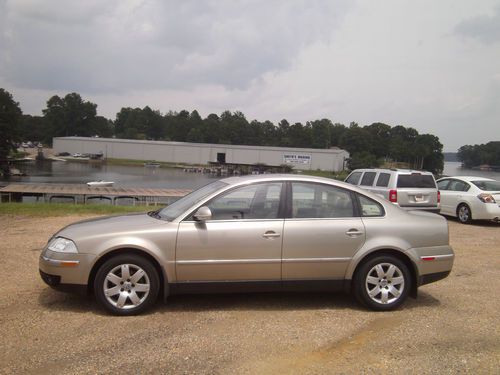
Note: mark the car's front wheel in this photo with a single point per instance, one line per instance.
(382, 283)
(126, 284)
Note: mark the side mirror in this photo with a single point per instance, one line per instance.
(202, 214)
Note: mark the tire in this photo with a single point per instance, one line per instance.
(126, 284)
(464, 214)
(376, 288)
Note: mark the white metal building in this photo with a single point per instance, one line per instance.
(203, 153)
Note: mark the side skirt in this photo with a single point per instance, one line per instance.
(212, 287)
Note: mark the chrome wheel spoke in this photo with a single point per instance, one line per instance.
(396, 293)
(397, 280)
(134, 298)
(125, 271)
(141, 287)
(112, 291)
(137, 276)
(372, 280)
(384, 295)
(390, 271)
(113, 278)
(121, 300)
(374, 292)
(380, 271)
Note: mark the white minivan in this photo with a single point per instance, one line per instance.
(409, 189)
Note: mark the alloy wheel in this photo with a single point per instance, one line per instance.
(384, 283)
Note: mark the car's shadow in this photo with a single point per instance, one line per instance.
(475, 223)
(59, 301)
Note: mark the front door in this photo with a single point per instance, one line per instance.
(242, 241)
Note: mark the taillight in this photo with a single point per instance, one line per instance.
(439, 196)
(486, 198)
(393, 196)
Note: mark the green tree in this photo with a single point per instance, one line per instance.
(10, 116)
(69, 116)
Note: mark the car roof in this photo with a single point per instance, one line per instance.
(389, 170)
(241, 180)
(469, 178)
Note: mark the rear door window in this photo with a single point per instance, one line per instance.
(457, 185)
(416, 180)
(310, 200)
(383, 179)
(353, 178)
(443, 184)
(368, 178)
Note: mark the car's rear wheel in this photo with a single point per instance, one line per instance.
(126, 284)
(382, 283)
(464, 214)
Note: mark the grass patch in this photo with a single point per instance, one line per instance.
(66, 209)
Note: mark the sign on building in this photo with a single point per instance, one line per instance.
(296, 159)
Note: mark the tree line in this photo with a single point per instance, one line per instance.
(369, 146)
(476, 155)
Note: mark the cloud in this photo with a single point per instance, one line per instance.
(113, 46)
(485, 28)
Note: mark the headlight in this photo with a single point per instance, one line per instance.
(62, 245)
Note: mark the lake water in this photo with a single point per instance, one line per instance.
(455, 169)
(139, 176)
(123, 176)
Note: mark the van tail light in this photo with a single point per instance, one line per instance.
(439, 196)
(393, 196)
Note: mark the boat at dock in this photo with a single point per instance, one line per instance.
(100, 183)
(152, 164)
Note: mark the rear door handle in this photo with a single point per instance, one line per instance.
(353, 232)
(271, 234)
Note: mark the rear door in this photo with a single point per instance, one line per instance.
(321, 232)
(417, 190)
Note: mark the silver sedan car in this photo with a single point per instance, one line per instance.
(254, 233)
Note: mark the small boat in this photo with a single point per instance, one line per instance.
(152, 164)
(100, 183)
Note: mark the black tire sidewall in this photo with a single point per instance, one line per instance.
(360, 277)
(111, 263)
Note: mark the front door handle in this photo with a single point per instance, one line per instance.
(353, 232)
(271, 234)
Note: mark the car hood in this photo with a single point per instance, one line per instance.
(109, 225)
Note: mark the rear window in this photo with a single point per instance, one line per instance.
(383, 179)
(368, 178)
(353, 178)
(416, 180)
(487, 185)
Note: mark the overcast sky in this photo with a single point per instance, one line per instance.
(433, 65)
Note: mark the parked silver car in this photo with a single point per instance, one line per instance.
(409, 189)
(470, 198)
(254, 233)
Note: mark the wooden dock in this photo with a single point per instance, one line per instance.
(80, 193)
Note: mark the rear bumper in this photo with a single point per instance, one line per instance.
(486, 211)
(432, 209)
(433, 263)
(432, 277)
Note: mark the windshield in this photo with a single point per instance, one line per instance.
(416, 180)
(178, 207)
(487, 185)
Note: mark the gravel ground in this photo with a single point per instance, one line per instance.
(453, 326)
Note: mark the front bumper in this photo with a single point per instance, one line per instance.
(65, 268)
